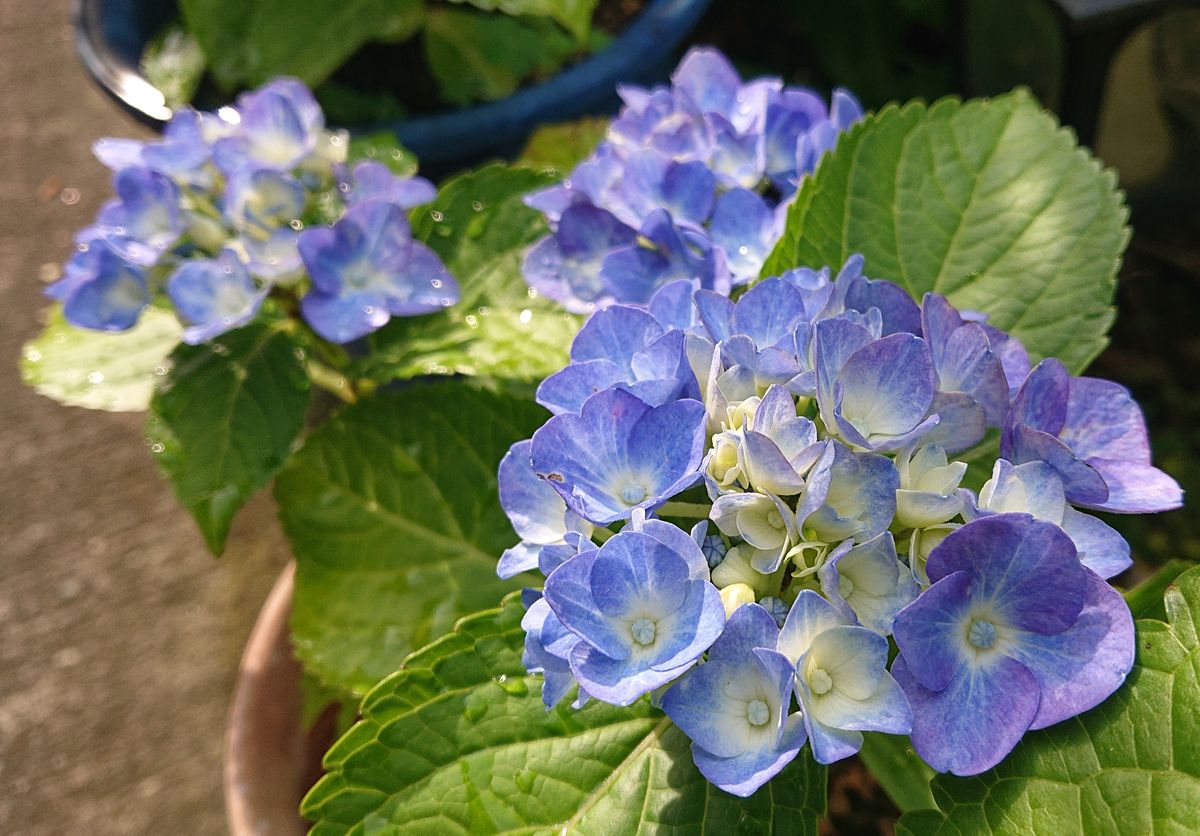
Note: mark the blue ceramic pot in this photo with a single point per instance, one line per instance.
(111, 34)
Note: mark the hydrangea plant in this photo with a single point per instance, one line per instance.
(820, 482)
(259, 283)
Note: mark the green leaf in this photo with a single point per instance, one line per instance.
(395, 521)
(564, 145)
(899, 770)
(482, 57)
(1146, 599)
(384, 147)
(247, 42)
(174, 63)
(224, 419)
(1130, 765)
(458, 741)
(99, 370)
(988, 202)
(480, 228)
(573, 15)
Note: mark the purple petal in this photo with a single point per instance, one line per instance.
(1079, 668)
(977, 719)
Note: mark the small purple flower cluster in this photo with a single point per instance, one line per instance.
(692, 180)
(228, 206)
(811, 429)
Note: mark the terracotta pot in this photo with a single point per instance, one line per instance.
(270, 762)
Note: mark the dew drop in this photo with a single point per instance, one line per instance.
(472, 321)
(524, 779)
(33, 355)
(436, 215)
(160, 371)
(220, 349)
(396, 154)
(743, 250)
(69, 196)
(515, 686)
(95, 377)
(435, 283)
(227, 270)
(343, 187)
(296, 224)
(368, 309)
(526, 316)
(156, 447)
(476, 205)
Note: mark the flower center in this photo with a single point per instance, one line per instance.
(775, 520)
(757, 713)
(982, 634)
(845, 586)
(633, 493)
(819, 681)
(643, 631)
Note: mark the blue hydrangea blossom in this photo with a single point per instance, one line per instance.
(249, 188)
(692, 181)
(811, 428)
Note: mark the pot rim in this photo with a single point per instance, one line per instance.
(249, 756)
(633, 56)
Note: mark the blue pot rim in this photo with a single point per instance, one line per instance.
(657, 30)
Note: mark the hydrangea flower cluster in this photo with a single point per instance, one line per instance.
(813, 437)
(256, 198)
(692, 180)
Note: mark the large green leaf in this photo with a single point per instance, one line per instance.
(247, 42)
(480, 227)
(1131, 765)
(224, 418)
(988, 202)
(98, 370)
(484, 57)
(458, 741)
(395, 521)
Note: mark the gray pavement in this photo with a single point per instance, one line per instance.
(119, 634)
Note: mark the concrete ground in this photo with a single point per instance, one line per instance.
(119, 634)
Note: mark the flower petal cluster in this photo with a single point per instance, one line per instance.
(808, 433)
(255, 200)
(1014, 633)
(691, 182)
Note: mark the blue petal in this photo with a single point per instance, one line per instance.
(929, 630)
(618, 682)
(977, 719)
(743, 225)
(1028, 568)
(567, 389)
(110, 298)
(635, 573)
(343, 319)
(615, 334)
(535, 509)
(889, 385)
(569, 593)
(768, 313)
(743, 775)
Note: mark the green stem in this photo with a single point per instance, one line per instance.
(689, 510)
(331, 381)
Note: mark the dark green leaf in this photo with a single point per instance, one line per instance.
(1130, 765)
(458, 742)
(484, 57)
(224, 419)
(247, 42)
(988, 202)
(480, 228)
(1146, 599)
(395, 521)
(573, 15)
(98, 370)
